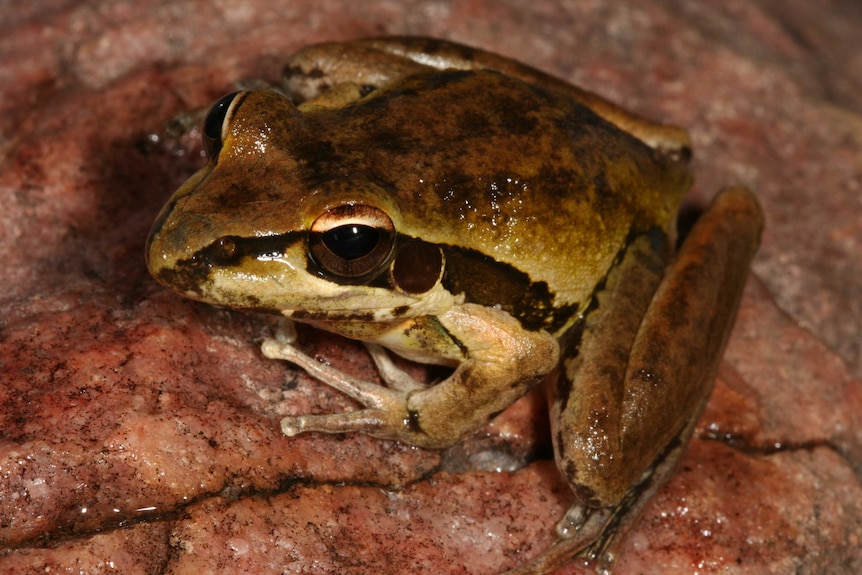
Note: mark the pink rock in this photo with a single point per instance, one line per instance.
(139, 431)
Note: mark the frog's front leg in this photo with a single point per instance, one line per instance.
(502, 362)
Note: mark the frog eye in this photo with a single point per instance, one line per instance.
(352, 241)
(216, 123)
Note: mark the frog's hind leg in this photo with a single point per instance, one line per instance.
(622, 426)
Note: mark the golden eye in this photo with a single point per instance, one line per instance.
(352, 241)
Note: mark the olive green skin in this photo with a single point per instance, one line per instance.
(527, 233)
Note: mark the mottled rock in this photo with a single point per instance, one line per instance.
(139, 431)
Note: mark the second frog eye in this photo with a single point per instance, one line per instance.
(216, 122)
(353, 241)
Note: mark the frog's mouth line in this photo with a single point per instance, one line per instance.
(373, 314)
(330, 316)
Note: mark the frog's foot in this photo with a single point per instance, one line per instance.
(581, 532)
(595, 534)
(386, 413)
(591, 534)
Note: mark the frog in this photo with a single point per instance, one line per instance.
(458, 208)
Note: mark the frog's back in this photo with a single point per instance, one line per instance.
(514, 179)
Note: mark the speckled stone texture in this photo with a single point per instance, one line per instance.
(139, 431)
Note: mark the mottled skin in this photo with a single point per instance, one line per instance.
(505, 224)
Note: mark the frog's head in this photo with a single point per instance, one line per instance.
(249, 232)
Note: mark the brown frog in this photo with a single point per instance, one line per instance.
(455, 207)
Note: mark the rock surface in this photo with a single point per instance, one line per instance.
(138, 430)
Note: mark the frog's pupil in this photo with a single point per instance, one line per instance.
(351, 241)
